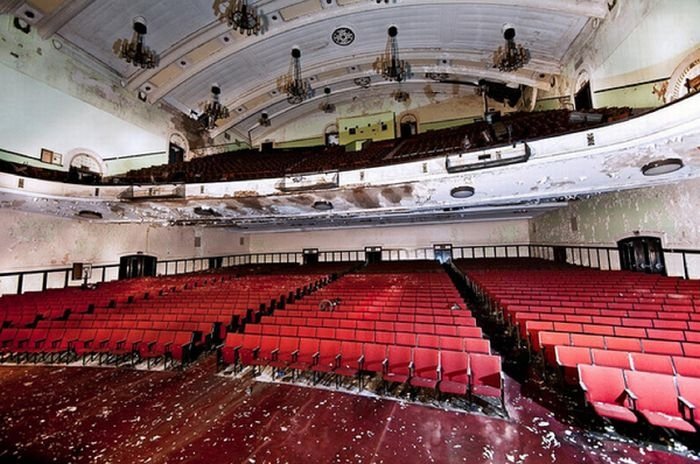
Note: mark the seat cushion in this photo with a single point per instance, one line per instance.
(664, 420)
(614, 412)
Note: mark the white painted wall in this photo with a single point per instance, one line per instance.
(409, 239)
(34, 241)
(35, 116)
(668, 212)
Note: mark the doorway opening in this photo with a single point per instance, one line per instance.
(138, 265)
(642, 254)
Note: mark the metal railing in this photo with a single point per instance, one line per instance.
(680, 262)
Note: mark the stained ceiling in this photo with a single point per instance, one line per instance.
(456, 37)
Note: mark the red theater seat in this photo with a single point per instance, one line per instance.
(455, 372)
(660, 364)
(568, 358)
(610, 358)
(285, 353)
(351, 359)
(306, 354)
(486, 377)
(426, 368)
(687, 367)
(656, 398)
(328, 357)
(606, 391)
(374, 357)
(399, 364)
(689, 399)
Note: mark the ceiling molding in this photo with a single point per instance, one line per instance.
(50, 24)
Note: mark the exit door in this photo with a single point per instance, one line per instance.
(137, 266)
(642, 254)
(443, 253)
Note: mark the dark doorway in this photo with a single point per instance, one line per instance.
(583, 99)
(373, 255)
(137, 266)
(216, 263)
(408, 126)
(559, 254)
(443, 253)
(176, 154)
(310, 256)
(642, 254)
(332, 139)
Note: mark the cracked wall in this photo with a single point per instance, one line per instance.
(34, 241)
(668, 212)
(410, 239)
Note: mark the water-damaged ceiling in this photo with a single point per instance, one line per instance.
(448, 36)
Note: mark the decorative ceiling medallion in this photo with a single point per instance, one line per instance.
(343, 36)
(363, 82)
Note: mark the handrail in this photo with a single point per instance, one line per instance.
(581, 255)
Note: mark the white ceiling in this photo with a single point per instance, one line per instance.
(463, 32)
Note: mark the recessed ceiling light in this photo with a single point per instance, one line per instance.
(323, 205)
(87, 214)
(464, 191)
(205, 211)
(660, 167)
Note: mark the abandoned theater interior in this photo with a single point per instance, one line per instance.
(367, 231)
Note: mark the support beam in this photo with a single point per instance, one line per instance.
(50, 24)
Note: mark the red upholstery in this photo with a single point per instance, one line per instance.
(455, 372)
(399, 364)
(486, 377)
(689, 399)
(569, 357)
(426, 368)
(657, 399)
(605, 389)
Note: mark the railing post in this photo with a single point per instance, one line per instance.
(685, 266)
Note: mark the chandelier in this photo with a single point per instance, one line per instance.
(214, 110)
(513, 56)
(239, 15)
(389, 65)
(327, 106)
(135, 51)
(293, 85)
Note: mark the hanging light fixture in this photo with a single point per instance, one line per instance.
(213, 109)
(135, 51)
(239, 16)
(327, 106)
(264, 120)
(513, 56)
(389, 65)
(296, 88)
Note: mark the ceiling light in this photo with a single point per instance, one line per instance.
(296, 88)
(214, 110)
(463, 191)
(323, 205)
(87, 214)
(135, 51)
(389, 65)
(239, 15)
(660, 167)
(513, 56)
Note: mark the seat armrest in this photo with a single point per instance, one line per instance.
(630, 394)
(685, 403)
(274, 352)
(438, 371)
(583, 386)
(316, 355)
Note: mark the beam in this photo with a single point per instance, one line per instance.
(51, 24)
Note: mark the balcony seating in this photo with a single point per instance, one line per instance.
(255, 164)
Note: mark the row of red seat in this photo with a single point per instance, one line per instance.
(663, 400)
(648, 327)
(470, 340)
(116, 345)
(569, 357)
(455, 372)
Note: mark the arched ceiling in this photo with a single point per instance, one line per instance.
(456, 37)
